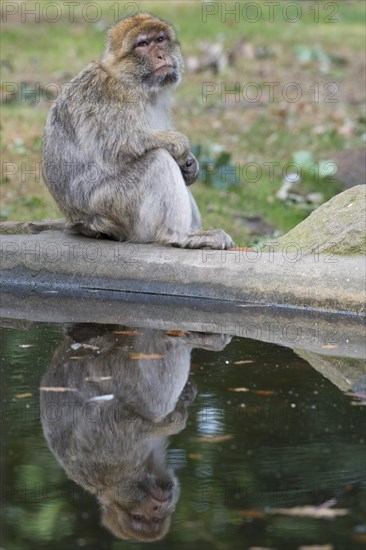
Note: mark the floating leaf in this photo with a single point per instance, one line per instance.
(214, 438)
(126, 332)
(352, 394)
(137, 356)
(106, 397)
(195, 456)
(264, 392)
(239, 389)
(177, 332)
(251, 513)
(97, 378)
(56, 389)
(25, 346)
(23, 395)
(317, 512)
(243, 362)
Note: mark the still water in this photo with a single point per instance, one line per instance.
(188, 439)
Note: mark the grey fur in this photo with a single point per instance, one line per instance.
(112, 159)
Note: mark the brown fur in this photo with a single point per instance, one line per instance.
(116, 448)
(111, 156)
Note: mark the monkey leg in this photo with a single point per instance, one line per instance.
(169, 214)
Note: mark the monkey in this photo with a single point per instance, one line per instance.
(112, 159)
(109, 400)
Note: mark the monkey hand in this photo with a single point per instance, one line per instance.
(190, 169)
(175, 143)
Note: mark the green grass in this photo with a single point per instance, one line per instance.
(251, 132)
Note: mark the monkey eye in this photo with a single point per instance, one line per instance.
(142, 44)
(160, 39)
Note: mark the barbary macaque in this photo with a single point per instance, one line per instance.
(111, 157)
(109, 400)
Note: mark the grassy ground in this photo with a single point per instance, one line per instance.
(321, 50)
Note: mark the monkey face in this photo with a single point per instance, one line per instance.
(144, 50)
(147, 520)
(158, 62)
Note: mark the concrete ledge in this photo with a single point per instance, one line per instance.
(56, 261)
(318, 332)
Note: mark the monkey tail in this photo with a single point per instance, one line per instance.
(19, 228)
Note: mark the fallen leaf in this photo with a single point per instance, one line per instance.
(239, 389)
(195, 456)
(97, 378)
(77, 346)
(60, 389)
(360, 538)
(246, 362)
(214, 438)
(23, 395)
(264, 392)
(126, 332)
(251, 513)
(177, 332)
(89, 346)
(310, 512)
(360, 395)
(328, 346)
(106, 397)
(317, 547)
(136, 356)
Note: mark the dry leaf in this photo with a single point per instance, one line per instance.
(239, 389)
(214, 438)
(317, 547)
(23, 395)
(264, 392)
(360, 395)
(317, 512)
(136, 356)
(177, 332)
(60, 389)
(246, 362)
(195, 456)
(97, 378)
(126, 332)
(360, 538)
(328, 346)
(251, 513)
(89, 346)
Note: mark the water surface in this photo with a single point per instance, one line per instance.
(243, 427)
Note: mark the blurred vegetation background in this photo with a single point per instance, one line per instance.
(298, 73)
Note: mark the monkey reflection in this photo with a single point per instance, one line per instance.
(109, 400)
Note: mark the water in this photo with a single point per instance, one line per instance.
(256, 429)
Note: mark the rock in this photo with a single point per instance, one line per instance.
(344, 372)
(351, 167)
(336, 227)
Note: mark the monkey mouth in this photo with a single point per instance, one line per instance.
(164, 68)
